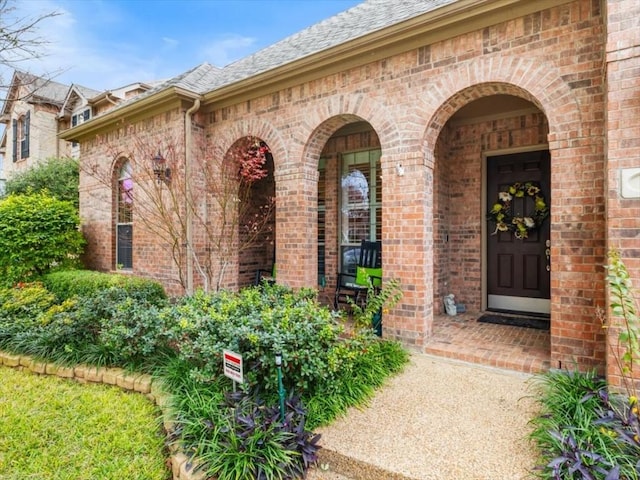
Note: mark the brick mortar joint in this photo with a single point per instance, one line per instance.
(157, 395)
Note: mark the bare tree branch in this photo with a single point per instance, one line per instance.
(20, 42)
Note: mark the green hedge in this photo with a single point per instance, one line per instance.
(38, 234)
(58, 176)
(69, 283)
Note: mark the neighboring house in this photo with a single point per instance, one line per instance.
(29, 115)
(403, 121)
(75, 110)
(35, 111)
(81, 104)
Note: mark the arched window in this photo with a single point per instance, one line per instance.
(124, 218)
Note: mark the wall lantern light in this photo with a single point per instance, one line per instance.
(160, 169)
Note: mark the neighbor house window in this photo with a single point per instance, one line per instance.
(360, 204)
(124, 218)
(81, 117)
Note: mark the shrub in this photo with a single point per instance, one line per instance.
(624, 308)
(581, 432)
(68, 283)
(107, 327)
(361, 364)
(59, 176)
(378, 301)
(257, 323)
(135, 330)
(37, 233)
(565, 431)
(19, 310)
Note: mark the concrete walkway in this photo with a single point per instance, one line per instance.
(440, 419)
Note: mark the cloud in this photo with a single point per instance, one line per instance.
(78, 48)
(170, 42)
(223, 51)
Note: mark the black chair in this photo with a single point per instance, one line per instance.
(263, 275)
(353, 286)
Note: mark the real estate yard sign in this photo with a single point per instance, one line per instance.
(232, 365)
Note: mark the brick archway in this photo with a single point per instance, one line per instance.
(537, 82)
(323, 120)
(226, 137)
(575, 331)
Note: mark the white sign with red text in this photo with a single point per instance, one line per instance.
(232, 365)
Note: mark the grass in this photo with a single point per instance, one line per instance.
(56, 428)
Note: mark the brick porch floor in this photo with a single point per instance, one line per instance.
(515, 348)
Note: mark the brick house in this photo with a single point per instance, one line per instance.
(31, 127)
(38, 108)
(435, 107)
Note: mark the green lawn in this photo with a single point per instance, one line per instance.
(51, 428)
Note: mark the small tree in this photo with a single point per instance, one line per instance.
(59, 176)
(213, 194)
(242, 218)
(37, 233)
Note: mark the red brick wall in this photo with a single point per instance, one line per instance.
(100, 156)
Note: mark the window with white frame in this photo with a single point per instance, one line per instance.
(81, 117)
(360, 204)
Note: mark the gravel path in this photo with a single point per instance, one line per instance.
(441, 420)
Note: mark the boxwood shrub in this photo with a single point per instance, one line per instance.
(85, 283)
(258, 323)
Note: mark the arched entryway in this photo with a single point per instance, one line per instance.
(256, 248)
(495, 142)
(349, 198)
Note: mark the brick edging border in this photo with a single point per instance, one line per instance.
(181, 466)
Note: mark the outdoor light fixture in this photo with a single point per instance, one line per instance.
(281, 392)
(160, 169)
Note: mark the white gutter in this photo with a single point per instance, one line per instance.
(188, 158)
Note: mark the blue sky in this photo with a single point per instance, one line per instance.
(104, 44)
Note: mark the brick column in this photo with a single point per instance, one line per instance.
(297, 226)
(407, 244)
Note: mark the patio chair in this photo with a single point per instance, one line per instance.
(263, 275)
(353, 286)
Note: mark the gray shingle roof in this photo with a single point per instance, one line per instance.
(42, 89)
(363, 19)
(197, 80)
(86, 92)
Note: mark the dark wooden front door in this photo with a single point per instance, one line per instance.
(518, 277)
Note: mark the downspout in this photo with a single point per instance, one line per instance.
(109, 98)
(188, 159)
